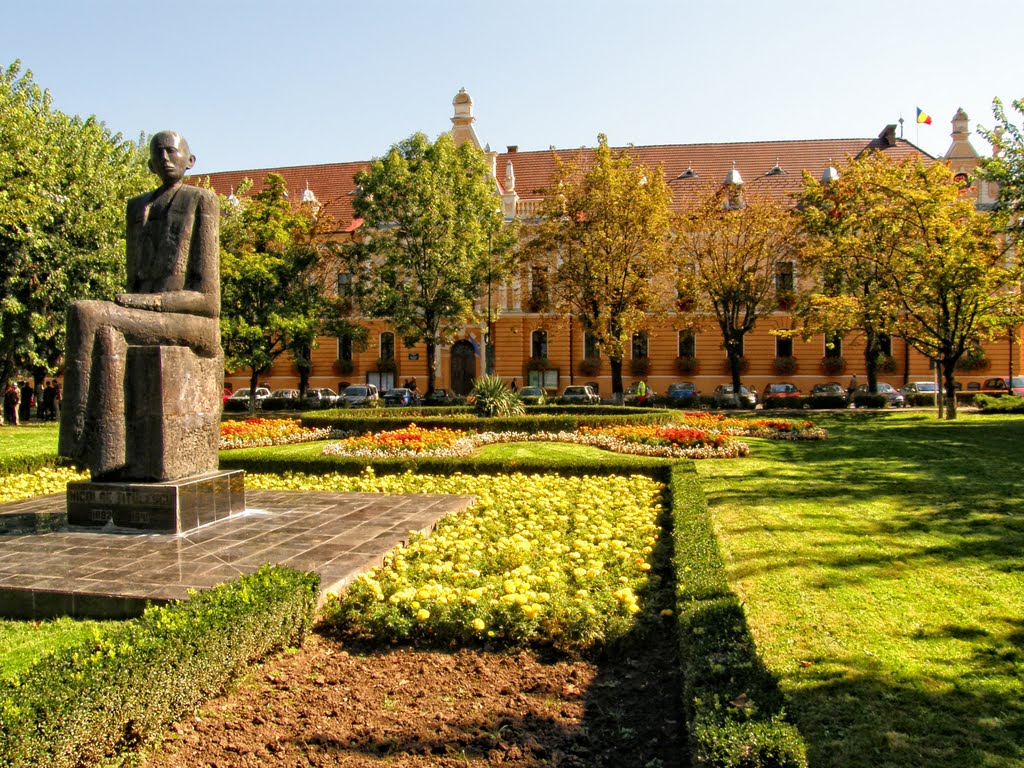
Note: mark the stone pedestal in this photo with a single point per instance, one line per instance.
(172, 506)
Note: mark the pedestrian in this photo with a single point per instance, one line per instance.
(48, 409)
(853, 386)
(12, 397)
(27, 401)
(514, 386)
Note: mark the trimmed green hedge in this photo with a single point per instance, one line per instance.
(105, 697)
(733, 705)
(1001, 404)
(792, 403)
(537, 419)
(827, 401)
(14, 465)
(263, 461)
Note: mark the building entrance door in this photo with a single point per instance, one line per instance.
(463, 367)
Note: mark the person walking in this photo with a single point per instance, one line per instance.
(27, 401)
(12, 397)
(514, 386)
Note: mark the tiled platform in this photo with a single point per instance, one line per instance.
(48, 570)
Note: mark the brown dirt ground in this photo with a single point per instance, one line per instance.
(334, 703)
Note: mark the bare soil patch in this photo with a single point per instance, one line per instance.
(336, 703)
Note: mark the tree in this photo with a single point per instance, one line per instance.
(605, 224)
(942, 271)
(271, 293)
(730, 251)
(845, 257)
(434, 236)
(64, 182)
(1007, 166)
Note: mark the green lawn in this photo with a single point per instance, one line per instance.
(883, 576)
(24, 641)
(28, 445)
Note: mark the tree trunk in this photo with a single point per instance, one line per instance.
(616, 368)
(948, 370)
(871, 360)
(253, 382)
(431, 351)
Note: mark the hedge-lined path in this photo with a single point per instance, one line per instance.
(110, 575)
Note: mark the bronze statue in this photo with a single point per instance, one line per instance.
(140, 371)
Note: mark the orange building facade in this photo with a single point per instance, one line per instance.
(521, 337)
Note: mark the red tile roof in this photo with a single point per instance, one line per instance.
(333, 183)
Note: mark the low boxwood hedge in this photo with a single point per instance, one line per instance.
(733, 705)
(84, 704)
(1001, 404)
(827, 401)
(792, 403)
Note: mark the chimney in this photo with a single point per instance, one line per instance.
(513, 148)
(888, 135)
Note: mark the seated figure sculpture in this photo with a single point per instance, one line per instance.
(142, 378)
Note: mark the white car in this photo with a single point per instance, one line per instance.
(360, 394)
(580, 393)
(240, 399)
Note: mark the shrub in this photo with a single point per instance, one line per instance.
(784, 366)
(590, 366)
(640, 367)
(687, 365)
(886, 364)
(784, 402)
(973, 359)
(492, 397)
(832, 365)
(1003, 404)
(85, 703)
(921, 399)
(827, 401)
(870, 400)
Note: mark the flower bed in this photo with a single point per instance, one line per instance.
(544, 559)
(43, 481)
(772, 429)
(255, 433)
(412, 440)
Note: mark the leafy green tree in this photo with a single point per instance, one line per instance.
(434, 234)
(1007, 166)
(64, 182)
(845, 261)
(938, 266)
(604, 227)
(730, 250)
(271, 291)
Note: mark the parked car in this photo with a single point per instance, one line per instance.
(239, 401)
(323, 397)
(684, 394)
(998, 386)
(829, 394)
(632, 397)
(286, 394)
(580, 394)
(782, 389)
(442, 397)
(533, 396)
(894, 396)
(400, 396)
(918, 388)
(723, 397)
(360, 395)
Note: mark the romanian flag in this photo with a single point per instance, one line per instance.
(923, 117)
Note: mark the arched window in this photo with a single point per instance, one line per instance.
(539, 344)
(834, 346)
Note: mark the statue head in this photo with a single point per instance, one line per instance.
(170, 157)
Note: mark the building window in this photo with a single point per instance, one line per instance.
(784, 277)
(539, 345)
(885, 344)
(639, 344)
(687, 344)
(344, 283)
(834, 346)
(387, 346)
(783, 347)
(345, 348)
(590, 347)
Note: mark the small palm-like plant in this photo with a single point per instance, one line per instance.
(492, 397)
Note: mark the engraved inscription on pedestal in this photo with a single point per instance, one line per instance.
(173, 506)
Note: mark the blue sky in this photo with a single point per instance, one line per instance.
(259, 84)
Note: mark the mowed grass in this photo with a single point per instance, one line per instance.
(25, 641)
(27, 441)
(883, 577)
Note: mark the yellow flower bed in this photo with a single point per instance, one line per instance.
(38, 483)
(546, 559)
